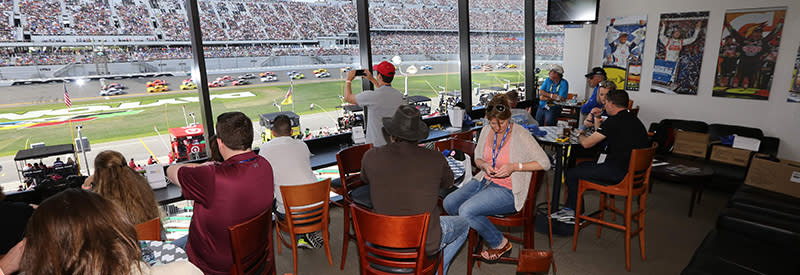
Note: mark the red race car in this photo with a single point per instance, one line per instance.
(215, 84)
(156, 83)
(239, 82)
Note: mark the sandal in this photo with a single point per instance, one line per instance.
(494, 254)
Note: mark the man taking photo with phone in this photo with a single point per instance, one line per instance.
(379, 103)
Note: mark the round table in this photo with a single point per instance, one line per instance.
(680, 169)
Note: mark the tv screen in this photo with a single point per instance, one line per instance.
(566, 12)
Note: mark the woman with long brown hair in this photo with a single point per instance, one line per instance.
(80, 232)
(117, 182)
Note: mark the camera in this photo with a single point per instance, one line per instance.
(360, 72)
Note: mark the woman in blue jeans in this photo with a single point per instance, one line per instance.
(506, 154)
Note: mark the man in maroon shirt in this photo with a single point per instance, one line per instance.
(224, 194)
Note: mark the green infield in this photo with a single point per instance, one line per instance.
(137, 116)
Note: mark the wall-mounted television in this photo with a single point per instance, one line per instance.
(568, 12)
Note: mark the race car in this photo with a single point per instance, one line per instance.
(295, 75)
(113, 86)
(486, 68)
(502, 65)
(187, 80)
(226, 78)
(111, 91)
(217, 83)
(476, 67)
(247, 76)
(156, 83)
(269, 78)
(322, 74)
(188, 86)
(317, 71)
(239, 82)
(266, 74)
(511, 66)
(426, 67)
(158, 89)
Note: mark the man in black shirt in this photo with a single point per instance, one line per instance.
(623, 132)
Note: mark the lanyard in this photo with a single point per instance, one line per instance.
(495, 149)
(556, 90)
(247, 160)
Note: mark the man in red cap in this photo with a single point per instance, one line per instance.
(382, 102)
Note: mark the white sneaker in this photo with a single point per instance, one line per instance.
(563, 213)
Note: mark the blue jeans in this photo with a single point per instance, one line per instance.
(477, 199)
(181, 242)
(548, 117)
(454, 233)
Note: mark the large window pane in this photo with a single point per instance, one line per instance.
(549, 41)
(424, 34)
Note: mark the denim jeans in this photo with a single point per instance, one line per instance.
(477, 199)
(181, 242)
(454, 233)
(548, 117)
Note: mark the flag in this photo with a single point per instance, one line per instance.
(66, 97)
(288, 98)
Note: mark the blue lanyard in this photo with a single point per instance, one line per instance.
(552, 91)
(495, 149)
(247, 160)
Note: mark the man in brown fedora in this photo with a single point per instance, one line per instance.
(405, 179)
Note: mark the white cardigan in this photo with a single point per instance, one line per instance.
(524, 148)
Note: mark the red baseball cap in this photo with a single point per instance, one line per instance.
(384, 68)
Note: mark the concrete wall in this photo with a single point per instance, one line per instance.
(775, 116)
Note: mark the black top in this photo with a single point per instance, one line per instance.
(15, 218)
(624, 132)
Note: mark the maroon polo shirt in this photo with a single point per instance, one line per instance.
(224, 194)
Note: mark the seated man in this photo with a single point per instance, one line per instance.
(224, 194)
(405, 179)
(595, 116)
(593, 78)
(519, 116)
(554, 89)
(58, 163)
(291, 165)
(623, 132)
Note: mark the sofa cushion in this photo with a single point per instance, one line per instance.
(726, 252)
(760, 226)
(766, 202)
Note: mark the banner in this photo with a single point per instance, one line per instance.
(794, 89)
(679, 52)
(622, 57)
(748, 51)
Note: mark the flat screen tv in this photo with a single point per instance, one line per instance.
(569, 12)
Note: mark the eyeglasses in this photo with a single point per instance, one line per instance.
(500, 108)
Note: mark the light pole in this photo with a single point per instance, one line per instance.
(83, 149)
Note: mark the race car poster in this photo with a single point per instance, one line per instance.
(679, 53)
(794, 91)
(624, 44)
(748, 51)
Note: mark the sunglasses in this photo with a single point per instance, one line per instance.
(500, 108)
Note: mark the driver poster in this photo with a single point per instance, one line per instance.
(679, 52)
(794, 89)
(748, 51)
(624, 44)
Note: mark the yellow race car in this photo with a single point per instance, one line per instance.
(158, 89)
(188, 86)
(511, 66)
(318, 71)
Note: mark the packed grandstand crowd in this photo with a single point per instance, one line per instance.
(400, 27)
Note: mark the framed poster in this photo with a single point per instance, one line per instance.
(679, 53)
(622, 55)
(748, 51)
(794, 89)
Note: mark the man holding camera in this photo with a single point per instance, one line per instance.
(379, 103)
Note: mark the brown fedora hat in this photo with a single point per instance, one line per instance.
(406, 124)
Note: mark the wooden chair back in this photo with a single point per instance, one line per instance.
(535, 261)
(306, 206)
(251, 244)
(468, 135)
(149, 230)
(639, 168)
(349, 162)
(466, 146)
(390, 241)
(572, 96)
(630, 104)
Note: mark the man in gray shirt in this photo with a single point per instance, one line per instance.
(380, 103)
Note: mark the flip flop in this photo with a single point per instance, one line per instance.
(494, 254)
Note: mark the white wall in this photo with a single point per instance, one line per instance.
(577, 46)
(775, 116)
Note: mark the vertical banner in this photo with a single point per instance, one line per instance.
(794, 89)
(624, 44)
(679, 53)
(748, 51)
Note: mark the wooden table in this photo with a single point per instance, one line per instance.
(688, 170)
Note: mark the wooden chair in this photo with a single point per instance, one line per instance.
(634, 184)
(635, 111)
(630, 104)
(149, 230)
(387, 244)
(251, 244)
(572, 96)
(349, 162)
(525, 218)
(466, 146)
(535, 261)
(302, 218)
(468, 135)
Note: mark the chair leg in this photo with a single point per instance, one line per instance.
(294, 251)
(346, 235)
(326, 239)
(602, 213)
(642, 205)
(613, 206)
(471, 247)
(577, 219)
(628, 232)
(280, 239)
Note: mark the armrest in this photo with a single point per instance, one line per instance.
(769, 145)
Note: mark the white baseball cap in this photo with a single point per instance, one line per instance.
(557, 69)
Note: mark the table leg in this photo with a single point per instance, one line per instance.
(557, 176)
(694, 195)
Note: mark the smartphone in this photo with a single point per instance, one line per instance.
(360, 72)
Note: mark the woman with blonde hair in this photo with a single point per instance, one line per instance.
(80, 232)
(117, 182)
(506, 154)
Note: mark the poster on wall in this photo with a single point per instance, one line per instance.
(748, 51)
(679, 53)
(624, 44)
(794, 90)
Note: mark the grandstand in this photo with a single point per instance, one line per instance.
(72, 32)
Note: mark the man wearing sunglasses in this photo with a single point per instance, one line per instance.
(593, 78)
(554, 88)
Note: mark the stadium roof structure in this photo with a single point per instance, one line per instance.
(45, 151)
